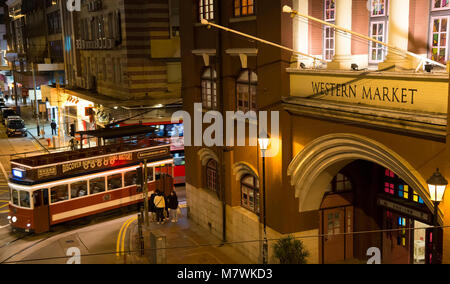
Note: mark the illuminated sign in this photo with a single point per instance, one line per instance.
(18, 173)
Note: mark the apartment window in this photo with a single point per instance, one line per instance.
(212, 182)
(250, 193)
(377, 50)
(209, 88)
(378, 30)
(329, 34)
(244, 8)
(330, 10)
(329, 43)
(439, 39)
(379, 8)
(440, 4)
(246, 91)
(206, 9)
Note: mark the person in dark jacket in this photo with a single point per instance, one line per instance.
(172, 204)
(151, 206)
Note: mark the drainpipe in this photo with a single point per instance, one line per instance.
(220, 72)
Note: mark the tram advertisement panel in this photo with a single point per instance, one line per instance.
(94, 164)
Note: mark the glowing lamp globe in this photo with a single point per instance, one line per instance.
(437, 185)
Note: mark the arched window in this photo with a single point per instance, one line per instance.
(246, 91)
(244, 8)
(212, 180)
(206, 9)
(209, 88)
(250, 193)
(341, 183)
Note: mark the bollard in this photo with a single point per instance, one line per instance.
(49, 142)
(157, 248)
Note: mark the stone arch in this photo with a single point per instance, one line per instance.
(242, 169)
(206, 154)
(316, 165)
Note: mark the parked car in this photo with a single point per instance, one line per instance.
(15, 126)
(7, 112)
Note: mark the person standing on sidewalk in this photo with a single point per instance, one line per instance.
(172, 201)
(54, 126)
(160, 205)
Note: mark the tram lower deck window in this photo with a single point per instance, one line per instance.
(15, 197)
(130, 178)
(115, 182)
(78, 189)
(59, 193)
(97, 185)
(24, 199)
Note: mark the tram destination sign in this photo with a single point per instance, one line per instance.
(97, 163)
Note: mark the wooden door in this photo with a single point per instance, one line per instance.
(334, 242)
(41, 211)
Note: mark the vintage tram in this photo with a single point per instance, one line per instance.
(60, 187)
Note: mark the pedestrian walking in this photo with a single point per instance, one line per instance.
(172, 204)
(160, 205)
(54, 126)
(6, 98)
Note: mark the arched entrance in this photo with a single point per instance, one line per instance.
(320, 165)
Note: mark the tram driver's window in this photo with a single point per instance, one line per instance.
(59, 193)
(115, 182)
(78, 189)
(15, 197)
(24, 199)
(130, 178)
(97, 185)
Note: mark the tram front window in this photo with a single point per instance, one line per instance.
(78, 189)
(59, 193)
(24, 199)
(15, 197)
(115, 182)
(97, 185)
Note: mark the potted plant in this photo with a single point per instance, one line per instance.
(290, 251)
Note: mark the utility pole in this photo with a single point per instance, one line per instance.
(36, 102)
(146, 219)
(15, 83)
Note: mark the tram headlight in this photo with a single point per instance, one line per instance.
(9, 217)
(14, 219)
(28, 225)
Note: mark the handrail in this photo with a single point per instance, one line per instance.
(207, 23)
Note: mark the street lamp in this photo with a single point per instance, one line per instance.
(264, 140)
(436, 185)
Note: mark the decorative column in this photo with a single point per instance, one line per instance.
(397, 36)
(301, 31)
(343, 41)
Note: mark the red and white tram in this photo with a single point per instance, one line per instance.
(59, 187)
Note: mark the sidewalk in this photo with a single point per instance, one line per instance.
(186, 243)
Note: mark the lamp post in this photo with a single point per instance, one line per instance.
(264, 140)
(437, 185)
